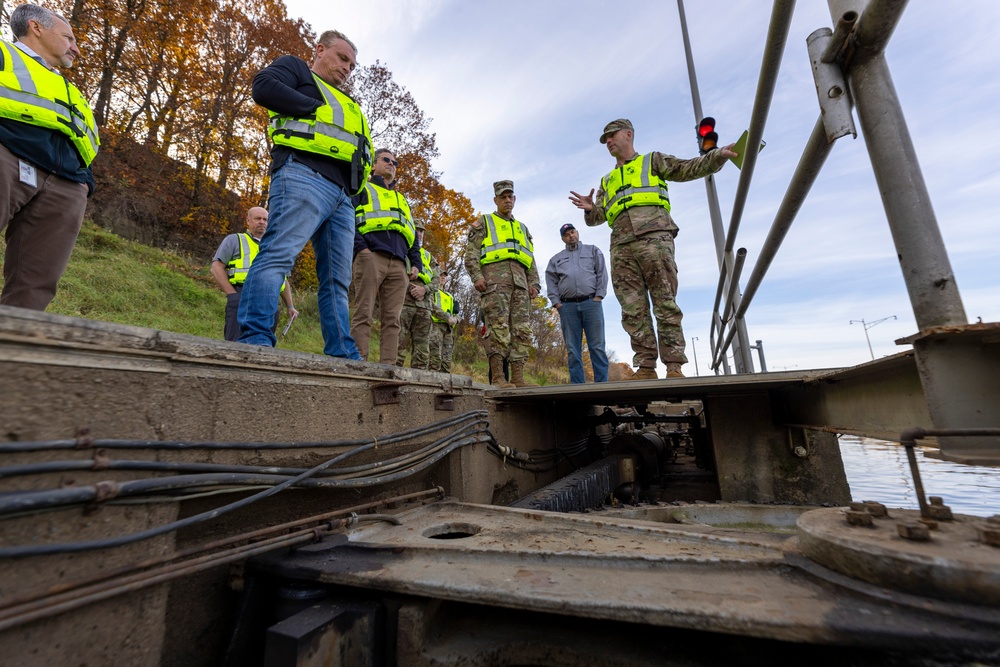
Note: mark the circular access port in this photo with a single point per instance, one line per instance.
(452, 531)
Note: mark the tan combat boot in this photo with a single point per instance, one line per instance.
(674, 371)
(643, 373)
(517, 374)
(496, 370)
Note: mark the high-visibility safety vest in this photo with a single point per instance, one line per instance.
(386, 210)
(446, 302)
(239, 266)
(633, 184)
(338, 129)
(426, 274)
(33, 94)
(505, 239)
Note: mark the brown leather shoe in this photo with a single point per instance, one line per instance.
(644, 373)
(674, 371)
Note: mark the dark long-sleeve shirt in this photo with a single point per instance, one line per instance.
(287, 87)
(577, 272)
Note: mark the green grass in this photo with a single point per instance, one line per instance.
(115, 280)
(112, 279)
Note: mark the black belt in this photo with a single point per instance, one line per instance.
(577, 299)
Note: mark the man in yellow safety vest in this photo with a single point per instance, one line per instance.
(232, 262)
(48, 138)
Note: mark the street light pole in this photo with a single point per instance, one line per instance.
(695, 351)
(869, 325)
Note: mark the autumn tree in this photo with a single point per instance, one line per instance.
(394, 118)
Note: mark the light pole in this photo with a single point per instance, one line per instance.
(695, 351)
(869, 325)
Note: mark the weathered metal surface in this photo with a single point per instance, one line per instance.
(755, 455)
(745, 516)
(959, 368)
(879, 399)
(327, 633)
(952, 565)
(831, 88)
(716, 580)
(648, 391)
(959, 372)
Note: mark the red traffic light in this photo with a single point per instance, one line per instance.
(705, 126)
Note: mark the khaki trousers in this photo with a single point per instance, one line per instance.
(377, 275)
(42, 223)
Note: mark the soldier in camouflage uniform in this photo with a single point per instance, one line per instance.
(633, 200)
(415, 320)
(500, 261)
(442, 327)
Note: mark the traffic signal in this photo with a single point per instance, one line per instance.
(707, 138)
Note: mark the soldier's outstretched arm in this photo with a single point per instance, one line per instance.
(582, 202)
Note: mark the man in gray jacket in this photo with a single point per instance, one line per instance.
(576, 280)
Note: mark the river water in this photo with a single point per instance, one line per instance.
(878, 470)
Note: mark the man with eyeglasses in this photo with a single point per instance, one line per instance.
(501, 263)
(322, 156)
(633, 201)
(385, 240)
(48, 139)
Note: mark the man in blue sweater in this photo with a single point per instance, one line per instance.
(576, 282)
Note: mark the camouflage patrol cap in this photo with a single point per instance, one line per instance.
(419, 224)
(614, 126)
(502, 186)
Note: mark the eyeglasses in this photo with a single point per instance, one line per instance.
(394, 163)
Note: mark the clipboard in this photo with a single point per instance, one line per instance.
(740, 149)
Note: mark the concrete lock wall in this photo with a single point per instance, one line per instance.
(63, 376)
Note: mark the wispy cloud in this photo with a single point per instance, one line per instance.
(522, 89)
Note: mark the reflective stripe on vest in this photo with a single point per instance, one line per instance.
(633, 184)
(386, 210)
(505, 239)
(239, 266)
(338, 129)
(31, 93)
(426, 274)
(446, 302)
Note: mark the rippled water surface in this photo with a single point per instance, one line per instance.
(877, 470)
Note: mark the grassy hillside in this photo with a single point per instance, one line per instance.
(115, 280)
(112, 279)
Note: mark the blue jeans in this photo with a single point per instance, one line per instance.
(303, 206)
(575, 319)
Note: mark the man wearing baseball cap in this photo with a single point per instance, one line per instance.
(501, 263)
(634, 201)
(576, 281)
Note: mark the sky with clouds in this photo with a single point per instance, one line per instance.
(522, 89)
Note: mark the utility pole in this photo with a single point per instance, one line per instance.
(869, 325)
(695, 351)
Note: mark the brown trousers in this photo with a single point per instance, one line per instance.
(378, 275)
(42, 224)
